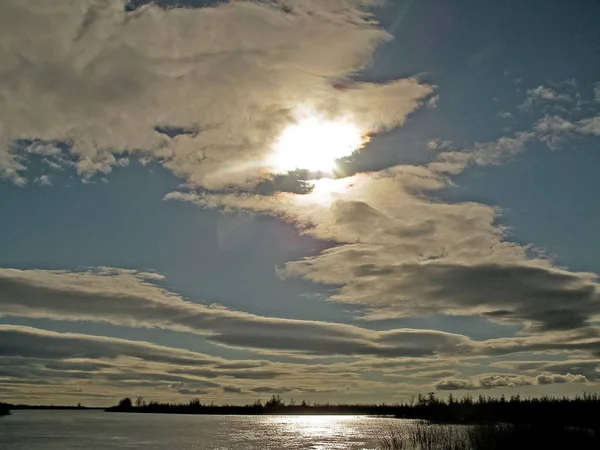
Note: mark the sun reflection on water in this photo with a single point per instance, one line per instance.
(323, 431)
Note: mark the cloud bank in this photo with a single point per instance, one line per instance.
(184, 86)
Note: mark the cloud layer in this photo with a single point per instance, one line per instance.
(105, 81)
(512, 381)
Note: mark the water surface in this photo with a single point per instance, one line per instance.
(92, 430)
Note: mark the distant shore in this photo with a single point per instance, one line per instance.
(17, 407)
(580, 411)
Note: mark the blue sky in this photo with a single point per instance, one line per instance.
(453, 247)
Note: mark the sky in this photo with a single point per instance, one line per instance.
(329, 200)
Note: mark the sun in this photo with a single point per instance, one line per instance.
(314, 142)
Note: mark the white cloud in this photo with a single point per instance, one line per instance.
(44, 180)
(553, 124)
(102, 79)
(548, 94)
(556, 379)
(412, 256)
(454, 384)
(506, 381)
(590, 126)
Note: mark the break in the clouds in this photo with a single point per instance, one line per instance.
(376, 131)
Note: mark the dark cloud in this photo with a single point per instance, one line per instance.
(127, 298)
(551, 299)
(132, 5)
(241, 374)
(232, 390)
(31, 343)
(544, 297)
(587, 368)
(272, 390)
(493, 381)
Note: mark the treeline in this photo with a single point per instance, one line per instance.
(14, 407)
(275, 405)
(578, 411)
(581, 410)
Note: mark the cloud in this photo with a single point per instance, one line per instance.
(556, 379)
(552, 128)
(547, 298)
(587, 367)
(453, 162)
(414, 256)
(272, 390)
(497, 152)
(26, 342)
(590, 126)
(232, 390)
(435, 374)
(107, 80)
(185, 391)
(37, 363)
(506, 381)
(129, 298)
(493, 381)
(33, 357)
(454, 384)
(545, 95)
(239, 374)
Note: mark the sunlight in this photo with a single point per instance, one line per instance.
(314, 142)
(313, 428)
(326, 190)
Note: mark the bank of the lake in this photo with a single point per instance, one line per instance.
(579, 411)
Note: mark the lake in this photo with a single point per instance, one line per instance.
(93, 430)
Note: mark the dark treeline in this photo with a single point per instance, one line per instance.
(275, 405)
(581, 411)
(15, 407)
(578, 411)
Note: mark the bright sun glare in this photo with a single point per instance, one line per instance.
(314, 142)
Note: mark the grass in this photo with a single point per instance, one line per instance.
(426, 436)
